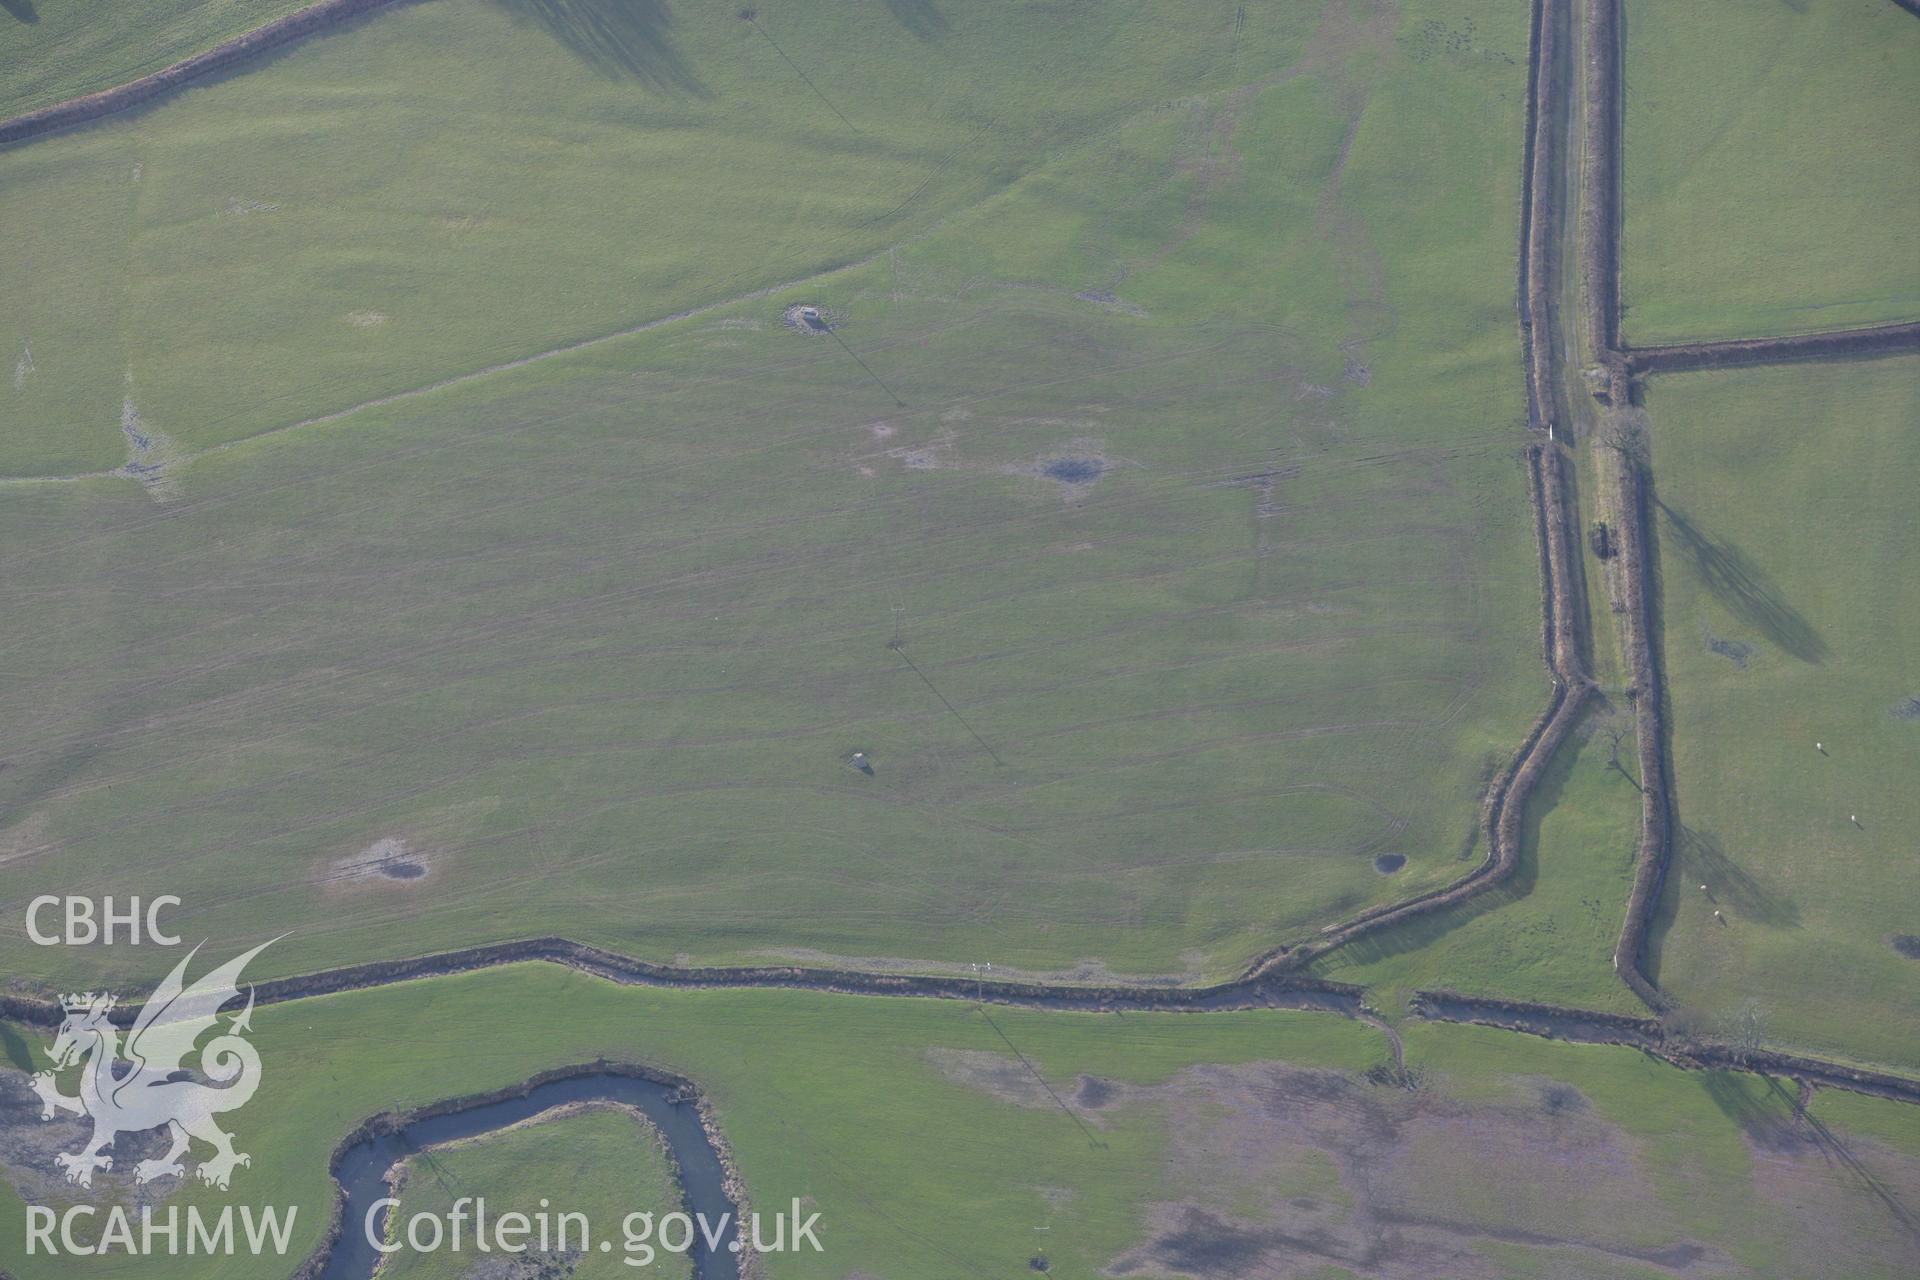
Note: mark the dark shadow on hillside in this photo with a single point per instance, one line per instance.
(22, 10)
(920, 17)
(1838, 1153)
(1702, 859)
(620, 39)
(1775, 1121)
(1767, 1118)
(1743, 588)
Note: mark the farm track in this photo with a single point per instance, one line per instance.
(1272, 981)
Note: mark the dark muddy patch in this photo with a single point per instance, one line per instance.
(1906, 708)
(922, 18)
(389, 859)
(1907, 944)
(1388, 863)
(1093, 1093)
(1204, 1245)
(1074, 470)
(1248, 1139)
(1108, 301)
(1737, 652)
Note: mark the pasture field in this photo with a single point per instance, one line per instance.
(614, 1164)
(932, 488)
(58, 49)
(1786, 542)
(1768, 168)
(929, 1149)
(446, 186)
(584, 647)
(1547, 934)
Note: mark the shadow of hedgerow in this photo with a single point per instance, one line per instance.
(621, 39)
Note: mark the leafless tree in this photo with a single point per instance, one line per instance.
(1624, 430)
(1616, 728)
(1749, 1030)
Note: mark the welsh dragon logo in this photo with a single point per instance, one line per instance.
(151, 1086)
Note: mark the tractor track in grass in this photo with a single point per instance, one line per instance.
(1273, 980)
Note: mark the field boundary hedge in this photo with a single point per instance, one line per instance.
(1603, 87)
(1839, 344)
(1591, 1026)
(1503, 810)
(281, 31)
(1249, 992)
(1538, 223)
(1600, 177)
(1645, 694)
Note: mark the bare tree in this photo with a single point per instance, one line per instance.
(1624, 430)
(1616, 728)
(1749, 1031)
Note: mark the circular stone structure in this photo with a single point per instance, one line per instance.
(806, 317)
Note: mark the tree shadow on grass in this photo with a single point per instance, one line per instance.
(1772, 1119)
(1704, 860)
(1759, 1106)
(1699, 858)
(1837, 1152)
(1744, 588)
(920, 17)
(620, 39)
(22, 10)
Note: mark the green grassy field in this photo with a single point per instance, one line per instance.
(492, 552)
(444, 187)
(590, 641)
(616, 1164)
(1768, 168)
(58, 49)
(1786, 541)
(1548, 933)
(930, 1150)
